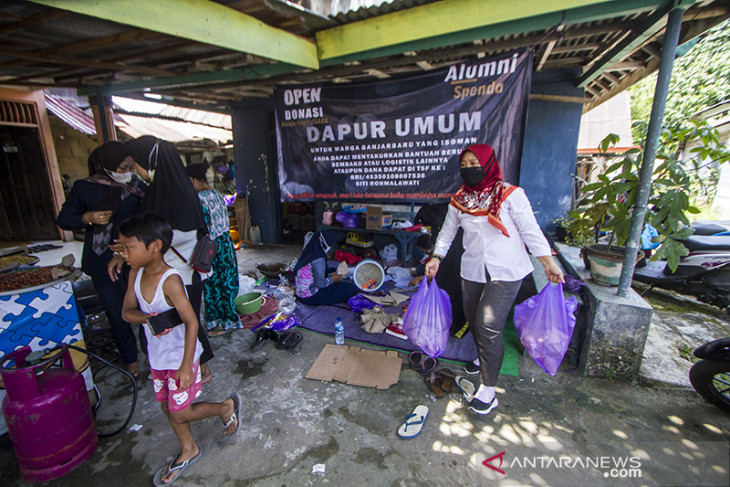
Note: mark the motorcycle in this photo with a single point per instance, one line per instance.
(704, 273)
(710, 377)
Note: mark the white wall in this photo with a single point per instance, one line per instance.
(613, 116)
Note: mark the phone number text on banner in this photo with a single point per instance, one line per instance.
(400, 139)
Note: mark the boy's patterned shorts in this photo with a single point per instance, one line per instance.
(166, 388)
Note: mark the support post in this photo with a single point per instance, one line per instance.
(101, 107)
(671, 38)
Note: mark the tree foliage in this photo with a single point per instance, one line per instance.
(700, 79)
(608, 204)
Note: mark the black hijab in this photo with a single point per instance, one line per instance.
(171, 195)
(106, 157)
(317, 247)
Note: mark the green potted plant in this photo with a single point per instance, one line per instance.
(607, 204)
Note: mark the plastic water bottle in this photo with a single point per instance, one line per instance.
(339, 332)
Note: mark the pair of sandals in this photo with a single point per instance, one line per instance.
(421, 363)
(287, 340)
(440, 382)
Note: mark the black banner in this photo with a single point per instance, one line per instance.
(399, 139)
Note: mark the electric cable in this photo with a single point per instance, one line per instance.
(98, 394)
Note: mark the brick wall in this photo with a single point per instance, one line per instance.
(72, 149)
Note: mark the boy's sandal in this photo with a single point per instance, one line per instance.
(434, 382)
(236, 414)
(413, 423)
(173, 467)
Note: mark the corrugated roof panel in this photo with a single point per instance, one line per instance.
(170, 130)
(73, 116)
(136, 125)
(374, 10)
(144, 107)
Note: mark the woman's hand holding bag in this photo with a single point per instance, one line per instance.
(428, 319)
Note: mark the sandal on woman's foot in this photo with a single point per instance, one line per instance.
(173, 467)
(433, 381)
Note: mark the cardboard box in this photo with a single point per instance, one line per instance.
(375, 219)
(357, 366)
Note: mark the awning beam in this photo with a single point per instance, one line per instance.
(201, 21)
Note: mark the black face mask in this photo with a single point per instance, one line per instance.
(472, 176)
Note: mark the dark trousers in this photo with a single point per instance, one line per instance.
(195, 295)
(335, 293)
(486, 306)
(111, 295)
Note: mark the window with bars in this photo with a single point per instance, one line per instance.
(14, 112)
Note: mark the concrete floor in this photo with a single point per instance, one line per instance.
(558, 431)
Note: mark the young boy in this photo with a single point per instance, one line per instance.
(155, 287)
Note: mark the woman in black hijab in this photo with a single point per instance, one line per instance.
(99, 204)
(172, 196)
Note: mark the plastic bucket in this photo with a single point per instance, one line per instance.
(368, 275)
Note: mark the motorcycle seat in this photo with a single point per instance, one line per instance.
(714, 350)
(708, 228)
(707, 242)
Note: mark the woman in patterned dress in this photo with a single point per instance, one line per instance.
(221, 287)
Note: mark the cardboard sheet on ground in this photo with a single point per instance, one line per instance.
(392, 299)
(357, 366)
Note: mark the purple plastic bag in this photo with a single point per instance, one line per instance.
(545, 325)
(428, 319)
(278, 321)
(359, 302)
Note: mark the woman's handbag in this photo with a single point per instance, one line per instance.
(203, 254)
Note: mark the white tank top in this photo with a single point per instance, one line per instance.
(165, 352)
